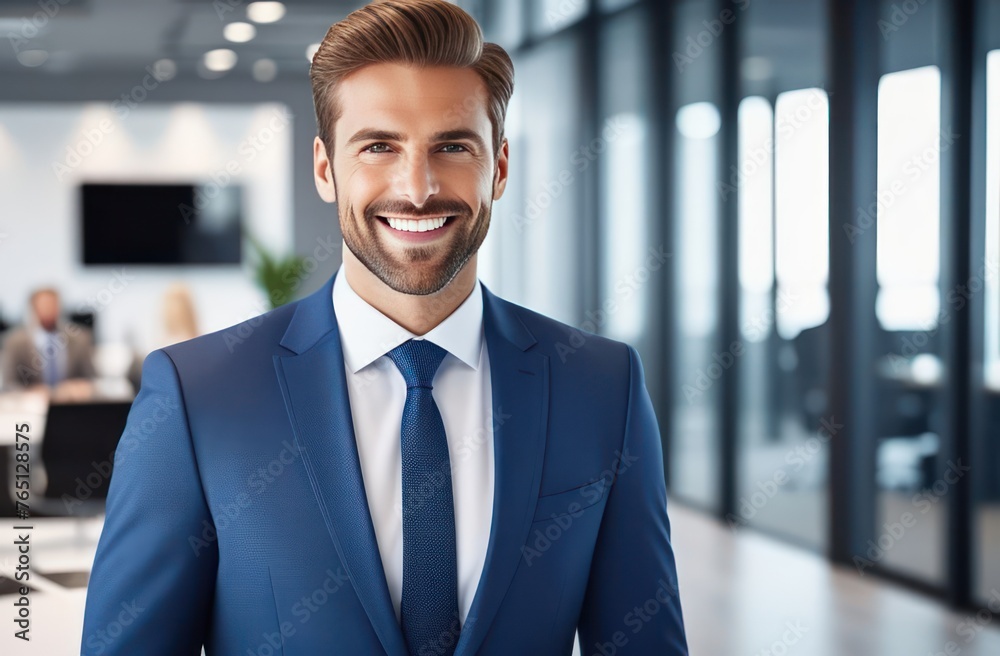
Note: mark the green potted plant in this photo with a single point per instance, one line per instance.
(278, 275)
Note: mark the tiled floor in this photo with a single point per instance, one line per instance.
(744, 595)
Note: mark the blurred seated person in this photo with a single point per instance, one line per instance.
(179, 323)
(48, 354)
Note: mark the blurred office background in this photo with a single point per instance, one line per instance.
(790, 207)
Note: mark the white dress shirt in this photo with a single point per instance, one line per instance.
(463, 393)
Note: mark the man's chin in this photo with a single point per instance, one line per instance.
(415, 278)
(417, 270)
(417, 290)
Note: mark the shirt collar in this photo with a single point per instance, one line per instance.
(41, 336)
(366, 334)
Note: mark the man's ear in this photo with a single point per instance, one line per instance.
(323, 172)
(500, 176)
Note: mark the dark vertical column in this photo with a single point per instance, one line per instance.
(957, 29)
(983, 446)
(589, 198)
(853, 43)
(729, 293)
(664, 309)
(773, 377)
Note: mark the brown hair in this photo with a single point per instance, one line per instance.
(416, 32)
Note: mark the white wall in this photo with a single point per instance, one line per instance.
(48, 149)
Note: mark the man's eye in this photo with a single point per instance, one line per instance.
(377, 145)
(456, 146)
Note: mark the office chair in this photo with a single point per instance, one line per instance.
(77, 453)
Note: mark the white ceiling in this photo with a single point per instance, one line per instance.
(121, 35)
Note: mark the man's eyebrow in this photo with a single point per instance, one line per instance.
(458, 135)
(374, 134)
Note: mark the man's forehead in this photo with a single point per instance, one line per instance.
(396, 88)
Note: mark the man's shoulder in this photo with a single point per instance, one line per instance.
(19, 337)
(253, 337)
(570, 344)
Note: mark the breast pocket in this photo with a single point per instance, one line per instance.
(570, 502)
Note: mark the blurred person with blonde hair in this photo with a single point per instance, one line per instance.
(178, 323)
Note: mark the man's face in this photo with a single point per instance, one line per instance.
(412, 143)
(46, 306)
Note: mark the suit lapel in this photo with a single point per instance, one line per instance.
(520, 386)
(314, 386)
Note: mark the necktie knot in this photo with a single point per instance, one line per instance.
(418, 360)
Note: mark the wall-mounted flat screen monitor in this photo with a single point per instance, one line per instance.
(160, 223)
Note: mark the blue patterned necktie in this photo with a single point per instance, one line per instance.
(429, 605)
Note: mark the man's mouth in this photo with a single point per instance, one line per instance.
(427, 224)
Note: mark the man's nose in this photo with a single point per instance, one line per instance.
(415, 179)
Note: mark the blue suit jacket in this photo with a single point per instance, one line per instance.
(237, 515)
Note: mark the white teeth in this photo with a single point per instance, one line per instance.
(423, 225)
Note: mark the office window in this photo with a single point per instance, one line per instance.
(612, 5)
(695, 438)
(780, 178)
(547, 220)
(549, 16)
(504, 243)
(910, 422)
(623, 153)
(992, 333)
(801, 189)
(782, 183)
(986, 542)
(624, 207)
(695, 402)
(504, 23)
(754, 179)
(908, 205)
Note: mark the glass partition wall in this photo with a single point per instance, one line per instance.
(792, 210)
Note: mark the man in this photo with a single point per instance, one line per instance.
(400, 463)
(46, 352)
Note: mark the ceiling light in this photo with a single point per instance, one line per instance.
(698, 120)
(311, 51)
(164, 69)
(219, 60)
(265, 70)
(32, 58)
(265, 12)
(239, 32)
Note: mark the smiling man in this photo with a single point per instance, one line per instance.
(402, 462)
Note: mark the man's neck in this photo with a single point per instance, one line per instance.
(418, 314)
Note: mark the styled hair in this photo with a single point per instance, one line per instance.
(411, 32)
